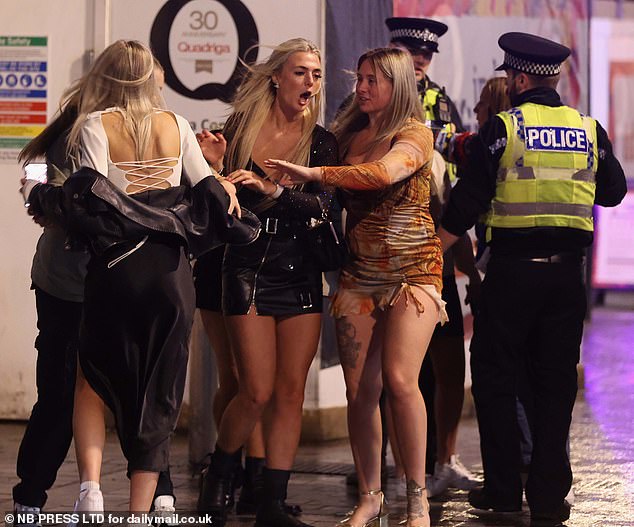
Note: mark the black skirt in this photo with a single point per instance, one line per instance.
(134, 344)
(273, 275)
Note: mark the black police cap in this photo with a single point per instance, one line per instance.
(416, 34)
(532, 54)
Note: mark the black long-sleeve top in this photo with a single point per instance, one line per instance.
(312, 200)
(475, 189)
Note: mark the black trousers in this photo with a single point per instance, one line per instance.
(49, 430)
(530, 323)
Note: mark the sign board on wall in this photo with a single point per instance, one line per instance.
(613, 104)
(200, 44)
(621, 125)
(23, 89)
(613, 263)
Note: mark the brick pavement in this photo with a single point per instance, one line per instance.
(602, 453)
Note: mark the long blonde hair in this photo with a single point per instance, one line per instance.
(254, 100)
(398, 68)
(122, 76)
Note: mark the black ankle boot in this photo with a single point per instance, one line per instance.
(216, 486)
(272, 511)
(237, 479)
(251, 493)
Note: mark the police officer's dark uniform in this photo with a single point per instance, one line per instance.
(538, 169)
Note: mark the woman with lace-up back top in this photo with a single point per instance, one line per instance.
(139, 295)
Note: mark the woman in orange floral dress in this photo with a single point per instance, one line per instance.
(388, 300)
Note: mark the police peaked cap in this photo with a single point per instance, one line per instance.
(531, 54)
(416, 34)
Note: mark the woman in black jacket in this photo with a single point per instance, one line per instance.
(272, 291)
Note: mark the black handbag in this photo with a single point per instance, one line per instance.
(326, 246)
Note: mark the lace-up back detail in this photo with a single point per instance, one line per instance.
(179, 156)
(149, 174)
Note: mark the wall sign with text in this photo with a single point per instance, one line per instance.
(23, 92)
(200, 44)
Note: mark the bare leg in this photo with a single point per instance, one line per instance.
(405, 339)
(255, 446)
(447, 354)
(214, 324)
(398, 463)
(89, 429)
(142, 487)
(297, 340)
(253, 341)
(360, 354)
(216, 330)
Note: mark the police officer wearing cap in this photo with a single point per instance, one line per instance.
(537, 169)
(420, 37)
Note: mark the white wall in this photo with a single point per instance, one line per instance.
(68, 25)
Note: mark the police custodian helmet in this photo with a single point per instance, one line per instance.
(531, 54)
(416, 34)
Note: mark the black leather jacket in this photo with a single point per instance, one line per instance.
(97, 213)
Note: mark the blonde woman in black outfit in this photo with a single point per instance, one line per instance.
(272, 294)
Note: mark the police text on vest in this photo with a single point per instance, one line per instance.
(556, 138)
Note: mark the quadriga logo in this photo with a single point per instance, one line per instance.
(203, 30)
(207, 47)
(199, 43)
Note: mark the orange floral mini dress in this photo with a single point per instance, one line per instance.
(394, 249)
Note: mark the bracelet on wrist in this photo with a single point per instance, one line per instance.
(277, 192)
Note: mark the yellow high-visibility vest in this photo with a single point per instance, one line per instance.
(547, 173)
(429, 100)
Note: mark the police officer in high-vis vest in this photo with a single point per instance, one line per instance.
(537, 170)
(420, 37)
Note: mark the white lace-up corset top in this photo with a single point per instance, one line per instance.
(137, 176)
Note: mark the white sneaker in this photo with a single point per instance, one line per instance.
(453, 474)
(164, 509)
(570, 497)
(23, 514)
(436, 484)
(90, 499)
(461, 477)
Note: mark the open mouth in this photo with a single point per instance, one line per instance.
(305, 97)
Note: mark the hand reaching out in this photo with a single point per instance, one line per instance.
(213, 146)
(296, 173)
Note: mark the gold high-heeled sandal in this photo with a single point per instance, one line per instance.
(417, 506)
(381, 518)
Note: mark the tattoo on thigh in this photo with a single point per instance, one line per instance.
(348, 346)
